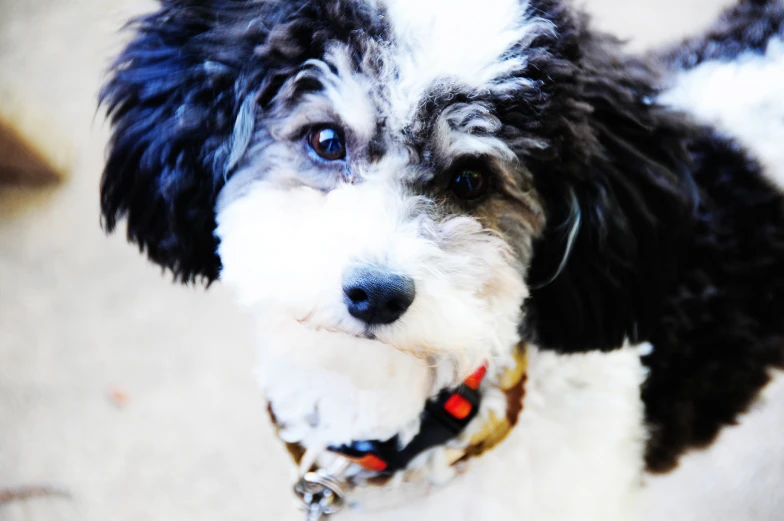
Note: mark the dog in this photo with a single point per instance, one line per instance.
(499, 269)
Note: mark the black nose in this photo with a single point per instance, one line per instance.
(377, 296)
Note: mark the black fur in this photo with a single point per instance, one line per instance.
(172, 110)
(626, 160)
(722, 327)
(745, 27)
(683, 244)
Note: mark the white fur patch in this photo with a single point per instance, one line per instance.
(456, 40)
(346, 93)
(284, 253)
(744, 98)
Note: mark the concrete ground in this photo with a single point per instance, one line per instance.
(132, 394)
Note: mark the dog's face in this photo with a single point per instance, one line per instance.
(381, 205)
(393, 187)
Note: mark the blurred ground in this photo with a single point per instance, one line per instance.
(135, 395)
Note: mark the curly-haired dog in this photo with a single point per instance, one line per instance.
(494, 262)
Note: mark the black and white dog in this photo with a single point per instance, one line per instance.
(499, 269)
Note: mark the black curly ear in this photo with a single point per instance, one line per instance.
(182, 100)
(621, 163)
(181, 116)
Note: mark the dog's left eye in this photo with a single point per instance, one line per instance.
(328, 143)
(469, 184)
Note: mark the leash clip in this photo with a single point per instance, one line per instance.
(322, 493)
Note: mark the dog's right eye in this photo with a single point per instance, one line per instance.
(328, 143)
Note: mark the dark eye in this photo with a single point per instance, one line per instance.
(469, 184)
(328, 143)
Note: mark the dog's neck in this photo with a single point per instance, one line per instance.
(456, 425)
(581, 429)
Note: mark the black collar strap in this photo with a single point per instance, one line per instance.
(443, 419)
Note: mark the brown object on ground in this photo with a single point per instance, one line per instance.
(20, 162)
(33, 148)
(8, 495)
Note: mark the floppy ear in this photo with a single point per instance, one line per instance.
(182, 99)
(181, 118)
(620, 164)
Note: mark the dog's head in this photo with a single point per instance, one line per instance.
(397, 189)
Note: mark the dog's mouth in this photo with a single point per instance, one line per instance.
(383, 335)
(365, 332)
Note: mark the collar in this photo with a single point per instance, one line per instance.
(442, 420)
(454, 421)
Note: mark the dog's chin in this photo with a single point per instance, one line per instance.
(327, 386)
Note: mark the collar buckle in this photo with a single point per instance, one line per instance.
(443, 419)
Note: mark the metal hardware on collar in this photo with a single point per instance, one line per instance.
(321, 493)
